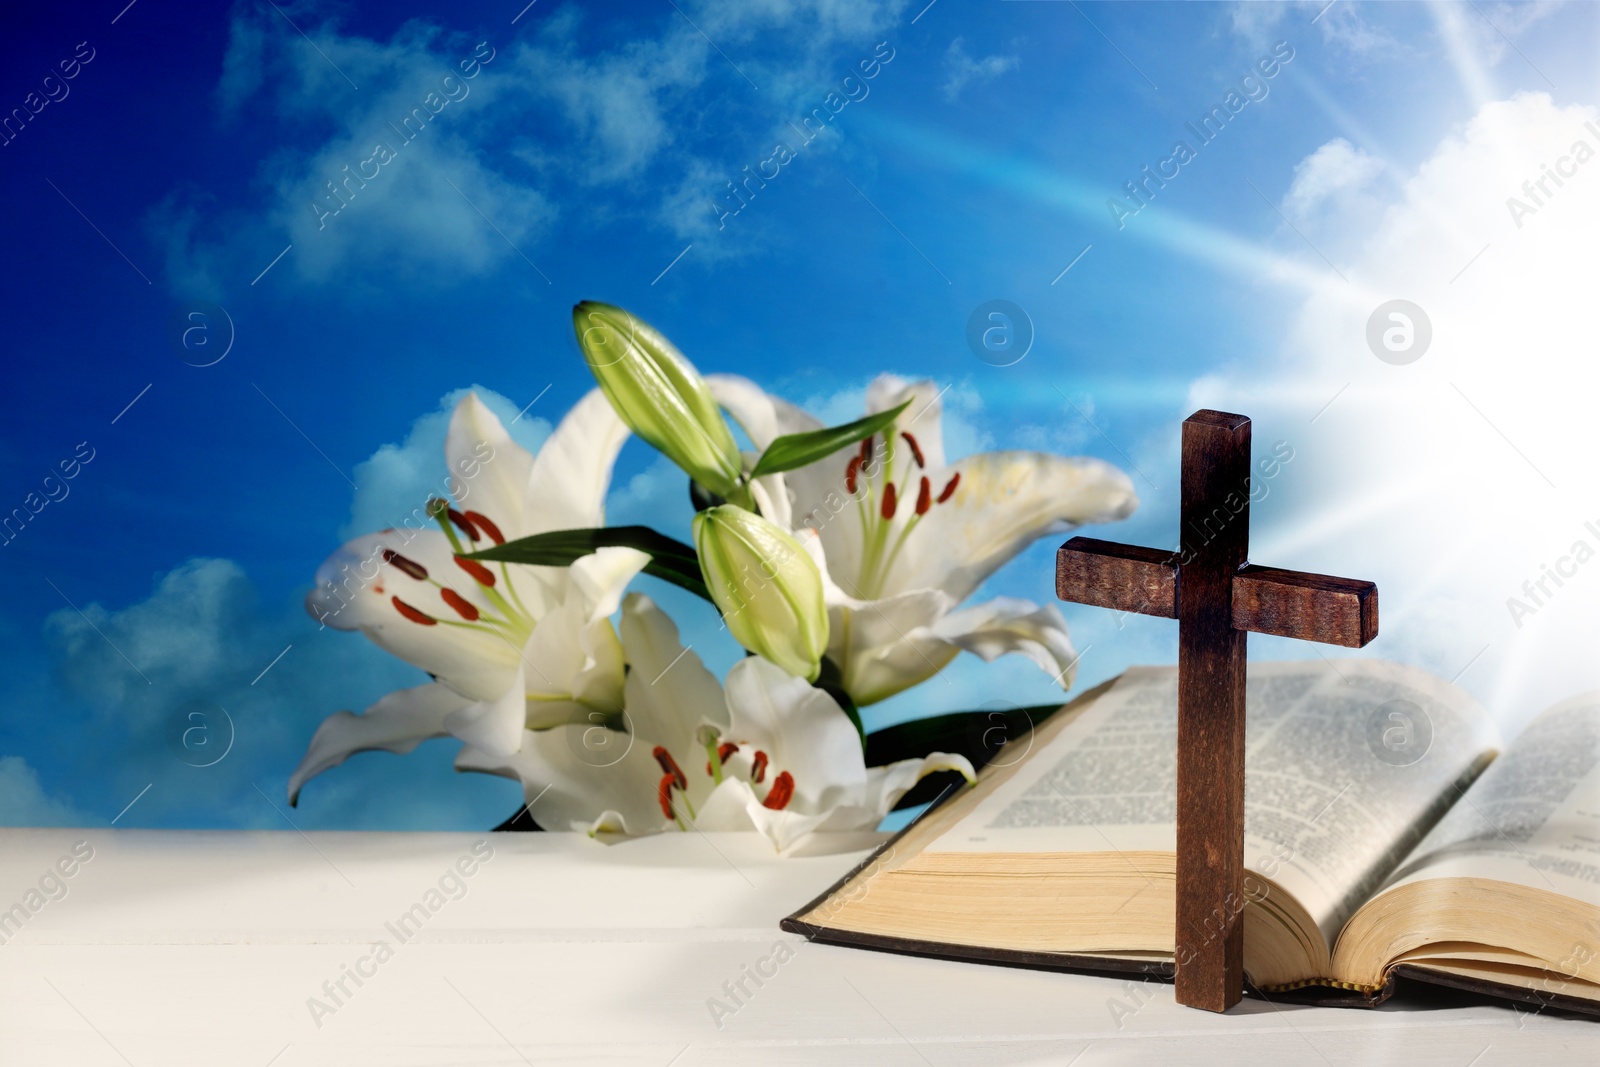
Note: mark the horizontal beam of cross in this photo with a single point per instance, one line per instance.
(1266, 600)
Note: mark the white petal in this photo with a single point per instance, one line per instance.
(802, 730)
(886, 785)
(1003, 503)
(761, 415)
(1009, 624)
(599, 683)
(600, 577)
(398, 723)
(572, 783)
(567, 487)
(923, 419)
(545, 714)
(735, 806)
(772, 499)
(554, 655)
(488, 469)
(669, 692)
(820, 500)
(493, 725)
(356, 590)
(726, 808)
(572, 651)
(885, 646)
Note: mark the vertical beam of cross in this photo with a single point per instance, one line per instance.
(1209, 936)
(1218, 599)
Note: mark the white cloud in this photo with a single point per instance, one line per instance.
(961, 70)
(427, 205)
(558, 108)
(25, 802)
(657, 496)
(400, 477)
(1334, 170)
(1341, 23)
(1500, 24)
(1455, 479)
(130, 677)
(616, 102)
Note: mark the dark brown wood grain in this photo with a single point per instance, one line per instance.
(1209, 935)
(1311, 607)
(1218, 599)
(1121, 577)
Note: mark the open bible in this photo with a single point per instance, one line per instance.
(1385, 836)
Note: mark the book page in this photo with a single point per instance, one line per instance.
(1347, 766)
(1533, 818)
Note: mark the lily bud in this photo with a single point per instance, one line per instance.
(658, 394)
(767, 585)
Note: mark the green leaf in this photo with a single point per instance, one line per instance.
(670, 560)
(830, 681)
(799, 449)
(977, 735)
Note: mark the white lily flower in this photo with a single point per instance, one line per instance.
(904, 537)
(769, 753)
(509, 647)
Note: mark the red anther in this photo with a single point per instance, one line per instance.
(724, 750)
(409, 567)
(850, 472)
(887, 510)
(758, 767)
(462, 605)
(781, 793)
(412, 613)
(924, 497)
(480, 574)
(916, 450)
(664, 795)
(866, 449)
(463, 522)
(949, 488)
(482, 521)
(670, 765)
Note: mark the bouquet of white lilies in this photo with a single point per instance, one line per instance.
(839, 558)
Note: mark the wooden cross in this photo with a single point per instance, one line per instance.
(1217, 598)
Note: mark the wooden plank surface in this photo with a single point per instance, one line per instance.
(1215, 523)
(1106, 574)
(1312, 607)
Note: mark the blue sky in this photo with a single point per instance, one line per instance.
(185, 165)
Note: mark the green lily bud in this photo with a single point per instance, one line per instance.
(658, 394)
(768, 587)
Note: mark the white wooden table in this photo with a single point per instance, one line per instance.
(204, 948)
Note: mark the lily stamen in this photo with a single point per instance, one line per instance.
(670, 765)
(484, 523)
(465, 523)
(480, 574)
(461, 604)
(916, 449)
(440, 509)
(781, 793)
(406, 566)
(412, 613)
